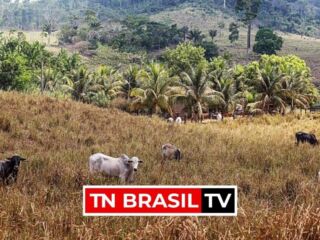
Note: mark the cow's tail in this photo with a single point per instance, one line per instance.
(177, 154)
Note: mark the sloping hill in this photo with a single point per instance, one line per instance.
(278, 191)
(196, 18)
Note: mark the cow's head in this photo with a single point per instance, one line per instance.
(314, 140)
(16, 159)
(134, 162)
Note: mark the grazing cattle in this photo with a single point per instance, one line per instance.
(306, 137)
(9, 168)
(170, 120)
(238, 111)
(219, 117)
(178, 120)
(122, 167)
(170, 151)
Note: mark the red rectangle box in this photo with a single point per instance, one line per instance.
(145, 201)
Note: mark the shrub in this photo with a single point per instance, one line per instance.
(267, 42)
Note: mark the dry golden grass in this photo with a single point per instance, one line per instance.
(279, 197)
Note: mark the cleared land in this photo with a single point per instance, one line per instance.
(33, 36)
(278, 191)
(306, 47)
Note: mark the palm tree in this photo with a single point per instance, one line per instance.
(130, 78)
(79, 84)
(297, 91)
(51, 79)
(269, 92)
(49, 27)
(198, 89)
(155, 91)
(227, 82)
(107, 83)
(213, 34)
(196, 36)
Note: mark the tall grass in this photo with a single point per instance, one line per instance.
(279, 197)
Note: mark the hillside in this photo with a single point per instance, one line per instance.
(305, 47)
(278, 192)
(295, 16)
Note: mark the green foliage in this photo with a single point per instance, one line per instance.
(25, 66)
(234, 32)
(196, 36)
(280, 81)
(18, 62)
(269, 85)
(211, 49)
(48, 28)
(287, 15)
(198, 88)
(247, 10)
(141, 34)
(267, 42)
(184, 56)
(213, 34)
(154, 93)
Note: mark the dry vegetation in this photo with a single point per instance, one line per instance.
(278, 192)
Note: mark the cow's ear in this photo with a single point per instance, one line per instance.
(124, 157)
(9, 158)
(130, 161)
(140, 161)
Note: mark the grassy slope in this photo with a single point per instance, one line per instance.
(33, 36)
(305, 47)
(278, 193)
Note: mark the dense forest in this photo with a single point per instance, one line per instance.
(297, 16)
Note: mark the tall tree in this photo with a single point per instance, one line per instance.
(234, 32)
(49, 27)
(247, 11)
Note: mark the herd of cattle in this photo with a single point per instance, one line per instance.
(212, 116)
(122, 167)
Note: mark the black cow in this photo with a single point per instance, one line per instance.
(9, 168)
(306, 137)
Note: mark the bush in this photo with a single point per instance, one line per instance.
(211, 49)
(267, 42)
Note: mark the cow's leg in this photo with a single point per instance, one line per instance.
(130, 178)
(123, 178)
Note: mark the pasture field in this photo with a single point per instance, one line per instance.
(279, 195)
(33, 36)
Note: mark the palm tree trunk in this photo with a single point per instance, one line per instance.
(249, 37)
(199, 110)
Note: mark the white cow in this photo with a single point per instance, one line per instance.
(219, 117)
(170, 120)
(178, 120)
(122, 167)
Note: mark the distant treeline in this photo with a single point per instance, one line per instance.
(302, 17)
